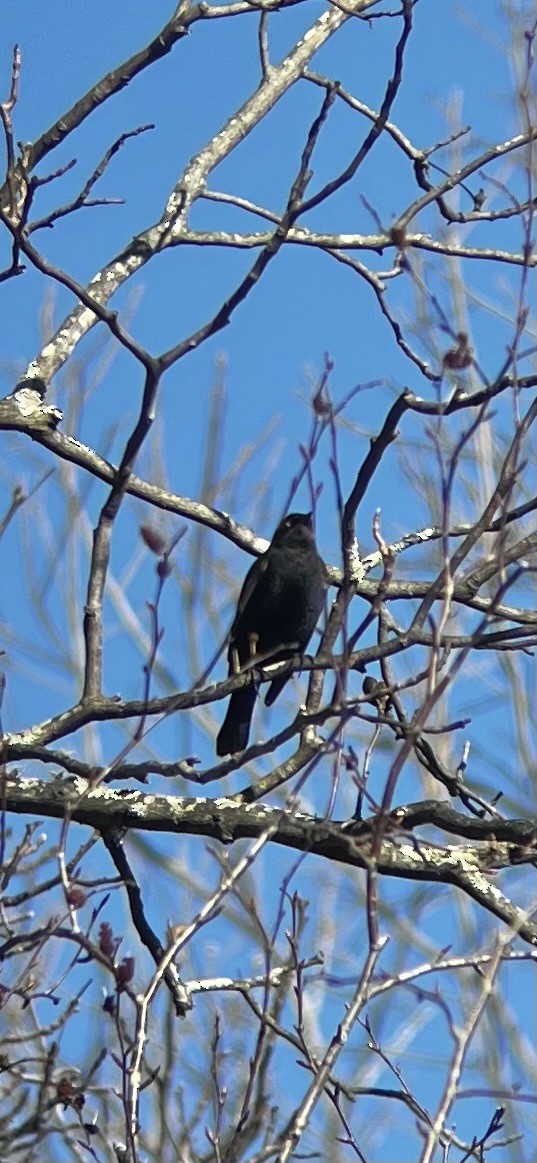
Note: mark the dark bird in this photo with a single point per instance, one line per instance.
(277, 612)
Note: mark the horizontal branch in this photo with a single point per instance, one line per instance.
(102, 708)
(24, 411)
(377, 243)
(349, 843)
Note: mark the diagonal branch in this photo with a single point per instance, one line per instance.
(170, 227)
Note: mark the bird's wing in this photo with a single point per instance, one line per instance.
(252, 579)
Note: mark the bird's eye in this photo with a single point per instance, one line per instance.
(287, 524)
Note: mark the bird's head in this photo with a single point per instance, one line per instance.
(295, 529)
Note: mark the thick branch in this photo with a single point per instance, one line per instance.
(349, 843)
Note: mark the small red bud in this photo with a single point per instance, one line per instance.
(125, 971)
(460, 356)
(76, 896)
(65, 1092)
(153, 539)
(164, 568)
(107, 942)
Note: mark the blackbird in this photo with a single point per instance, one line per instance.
(277, 612)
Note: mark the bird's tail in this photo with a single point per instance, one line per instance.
(275, 689)
(234, 732)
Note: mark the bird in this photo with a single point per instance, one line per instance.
(278, 609)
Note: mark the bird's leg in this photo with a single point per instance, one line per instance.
(253, 640)
(235, 660)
